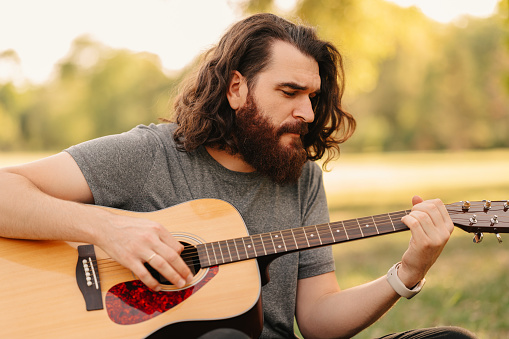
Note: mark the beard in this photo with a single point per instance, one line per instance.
(258, 142)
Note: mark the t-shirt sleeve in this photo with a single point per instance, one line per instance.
(117, 166)
(316, 261)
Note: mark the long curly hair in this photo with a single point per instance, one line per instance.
(203, 113)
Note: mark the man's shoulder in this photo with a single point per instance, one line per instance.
(311, 171)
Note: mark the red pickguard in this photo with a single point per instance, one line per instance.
(132, 302)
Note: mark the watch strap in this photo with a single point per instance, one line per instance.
(399, 287)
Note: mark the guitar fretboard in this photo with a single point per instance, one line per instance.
(298, 239)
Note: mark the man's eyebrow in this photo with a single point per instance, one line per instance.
(295, 86)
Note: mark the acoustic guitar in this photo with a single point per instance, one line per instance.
(56, 289)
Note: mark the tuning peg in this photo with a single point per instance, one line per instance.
(494, 220)
(499, 238)
(506, 206)
(487, 205)
(466, 206)
(473, 219)
(478, 237)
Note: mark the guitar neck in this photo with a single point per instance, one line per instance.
(298, 239)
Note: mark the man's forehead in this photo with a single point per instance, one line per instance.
(289, 65)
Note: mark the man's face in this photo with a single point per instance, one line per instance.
(259, 143)
(273, 120)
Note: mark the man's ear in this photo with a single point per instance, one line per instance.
(237, 91)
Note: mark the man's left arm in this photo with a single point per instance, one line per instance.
(324, 310)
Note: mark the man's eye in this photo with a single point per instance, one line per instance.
(289, 94)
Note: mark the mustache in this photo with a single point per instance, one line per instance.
(297, 128)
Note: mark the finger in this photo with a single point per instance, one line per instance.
(418, 222)
(416, 200)
(169, 271)
(146, 277)
(438, 213)
(172, 255)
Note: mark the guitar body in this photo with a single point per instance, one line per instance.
(40, 298)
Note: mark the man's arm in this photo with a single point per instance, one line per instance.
(47, 199)
(325, 311)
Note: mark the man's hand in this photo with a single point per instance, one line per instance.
(431, 228)
(134, 241)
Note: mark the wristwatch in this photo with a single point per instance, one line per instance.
(399, 287)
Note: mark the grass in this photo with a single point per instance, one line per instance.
(466, 287)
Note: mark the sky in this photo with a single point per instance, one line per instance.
(41, 31)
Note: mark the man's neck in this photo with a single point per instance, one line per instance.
(233, 162)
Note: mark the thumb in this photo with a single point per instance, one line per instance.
(416, 200)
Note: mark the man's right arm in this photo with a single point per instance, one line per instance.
(48, 199)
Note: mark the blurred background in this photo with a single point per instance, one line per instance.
(428, 82)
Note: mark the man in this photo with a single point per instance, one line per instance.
(265, 102)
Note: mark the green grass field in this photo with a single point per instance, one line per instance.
(466, 287)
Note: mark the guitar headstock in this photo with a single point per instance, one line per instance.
(481, 217)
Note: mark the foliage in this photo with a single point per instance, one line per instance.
(95, 91)
(412, 83)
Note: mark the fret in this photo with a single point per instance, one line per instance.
(344, 229)
(242, 247)
(338, 232)
(245, 247)
(219, 249)
(208, 257)
(311, 236)
(289, 240)
(360, 227)
(300, 237)
(263, 245)
(374, 223)
(229, 252)
(225, 250)
(251, 249)
(318, 234)
(272, 235)
(331, 233)
(353, 228)
(392, 222)
(236, 249)
(267, 239)
(203, 255)
(279, 239)
(367, 228)
(325, 234)
(398, 225)
(295, 240)
(214, 252)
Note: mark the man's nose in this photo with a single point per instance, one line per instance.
(304, 110)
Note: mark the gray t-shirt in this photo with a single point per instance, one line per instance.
(141, 170)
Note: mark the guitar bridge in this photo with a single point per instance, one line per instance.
(87, 277)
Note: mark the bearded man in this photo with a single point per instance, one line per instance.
(263, 106)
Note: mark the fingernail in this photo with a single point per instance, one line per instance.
(181, 283)
(189, 278)
(157, 289)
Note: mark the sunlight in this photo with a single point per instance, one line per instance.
(448, 10)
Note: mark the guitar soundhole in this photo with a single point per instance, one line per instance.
(190, 256)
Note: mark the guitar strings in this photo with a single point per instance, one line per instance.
(348, 225)
(257, 241)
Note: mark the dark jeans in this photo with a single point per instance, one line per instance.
(434, 332)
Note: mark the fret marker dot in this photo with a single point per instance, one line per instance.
(279, 246)
(276, 236)
(248, 246)
(312, 235)
(367, 225)
(337, 231)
